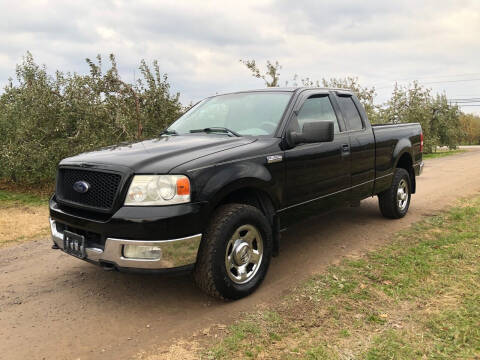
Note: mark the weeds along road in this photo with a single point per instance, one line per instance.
(54, 306)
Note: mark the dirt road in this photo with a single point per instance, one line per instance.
(53, 306)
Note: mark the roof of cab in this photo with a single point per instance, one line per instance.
(288, 89)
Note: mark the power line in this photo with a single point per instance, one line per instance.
(450, 81)
(435, 77)
(466, 98)
(438, 76)
(464, 101)
(437, 82)
(466, 104)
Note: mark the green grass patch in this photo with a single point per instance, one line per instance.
(8, 198)
(391, 346)
(442, 153)
(418, 297)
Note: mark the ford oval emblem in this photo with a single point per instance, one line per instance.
(81, 187)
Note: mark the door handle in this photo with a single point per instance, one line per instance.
(345, 149)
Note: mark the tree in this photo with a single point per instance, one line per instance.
(445, 122)
(414, 103)
(45, 118)
(364, 94)
(271, 77)
(470, 125)
(441, 122)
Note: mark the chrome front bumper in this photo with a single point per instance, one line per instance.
(174, 253)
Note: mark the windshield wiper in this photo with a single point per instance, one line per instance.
(216, 129)
(168, 132)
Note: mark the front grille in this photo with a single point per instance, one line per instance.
(101, 194)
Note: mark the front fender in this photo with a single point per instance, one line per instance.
(228, 178)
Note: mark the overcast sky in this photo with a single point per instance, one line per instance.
(199, 43)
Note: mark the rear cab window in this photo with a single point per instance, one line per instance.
(350, 113)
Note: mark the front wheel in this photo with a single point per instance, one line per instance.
(235, 252)
(394, 202)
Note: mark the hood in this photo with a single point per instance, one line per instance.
(159, 155)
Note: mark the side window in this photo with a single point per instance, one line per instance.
(350, 113)
(317, 108)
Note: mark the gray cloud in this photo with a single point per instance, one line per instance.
(199, 44)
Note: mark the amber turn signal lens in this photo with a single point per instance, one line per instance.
(183, 186)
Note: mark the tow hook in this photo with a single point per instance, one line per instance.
(108, 267)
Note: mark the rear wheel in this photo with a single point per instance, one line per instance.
(235, 252)
(394, 202)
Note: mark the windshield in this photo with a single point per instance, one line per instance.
(255, 113)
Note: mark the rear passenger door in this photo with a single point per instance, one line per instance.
(362, 145)
(317, 174)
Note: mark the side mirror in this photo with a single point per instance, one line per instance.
(312, 132)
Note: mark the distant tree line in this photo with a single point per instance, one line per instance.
(45, 118)
(443, 123)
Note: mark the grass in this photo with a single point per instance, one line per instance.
(416, 298)
(442, 153)
(9, 198)
(23, 217)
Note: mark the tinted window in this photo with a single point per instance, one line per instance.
(350, 113)
(317, 109)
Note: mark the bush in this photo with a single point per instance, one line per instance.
(46, 118)
(440, 120)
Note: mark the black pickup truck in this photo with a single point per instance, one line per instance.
(213, 192)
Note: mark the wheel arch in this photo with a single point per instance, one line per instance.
(405, 161)
(250, 184)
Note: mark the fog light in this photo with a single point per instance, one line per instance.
(142, 252)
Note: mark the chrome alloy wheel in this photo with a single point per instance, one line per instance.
(402, 194)
(244, 254)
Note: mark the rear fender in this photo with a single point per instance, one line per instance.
(403, 145)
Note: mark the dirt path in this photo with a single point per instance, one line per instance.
(53, 306)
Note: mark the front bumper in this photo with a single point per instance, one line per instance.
(176, 229)
(175, 253)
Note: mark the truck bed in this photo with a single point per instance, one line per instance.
(390, 139)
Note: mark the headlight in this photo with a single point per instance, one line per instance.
(158, 190)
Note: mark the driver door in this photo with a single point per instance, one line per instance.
(318, 174)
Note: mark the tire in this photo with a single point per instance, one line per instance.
(394, 202)
(235, 252)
